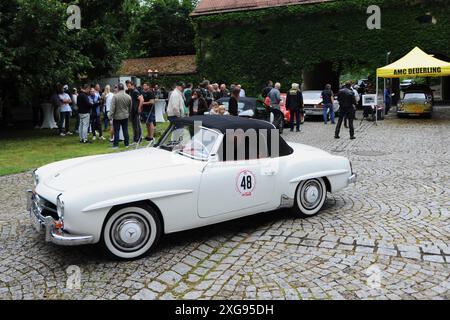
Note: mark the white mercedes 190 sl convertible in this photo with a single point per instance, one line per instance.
(204, 170)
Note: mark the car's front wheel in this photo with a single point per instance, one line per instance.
(310, 197)
(130, 232)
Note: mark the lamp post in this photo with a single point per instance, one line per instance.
(153, 74)
(388, 54)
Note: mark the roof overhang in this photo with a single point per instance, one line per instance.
(210, 7)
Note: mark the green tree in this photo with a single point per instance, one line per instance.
(104, 33)
(37, 50)
(163, 28)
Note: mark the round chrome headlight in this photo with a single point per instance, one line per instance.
(60, 207)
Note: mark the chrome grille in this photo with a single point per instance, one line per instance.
(45, 207)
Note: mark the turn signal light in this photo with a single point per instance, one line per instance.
(59, 224)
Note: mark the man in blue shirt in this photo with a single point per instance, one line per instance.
(387, 99)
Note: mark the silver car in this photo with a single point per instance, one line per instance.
(312, 100)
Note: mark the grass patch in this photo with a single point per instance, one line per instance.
(25, 149)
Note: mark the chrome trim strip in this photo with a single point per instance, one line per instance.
(318, 175)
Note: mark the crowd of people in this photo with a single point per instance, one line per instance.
(128, 104)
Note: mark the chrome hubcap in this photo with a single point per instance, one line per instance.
(130, 232)
(311, 194)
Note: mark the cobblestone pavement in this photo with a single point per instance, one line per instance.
(391, 228)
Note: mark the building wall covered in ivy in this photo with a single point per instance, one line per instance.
(279, 43)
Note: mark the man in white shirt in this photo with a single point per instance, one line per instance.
(242, 92)
(107, 98)
(64, 112)
(175, 107)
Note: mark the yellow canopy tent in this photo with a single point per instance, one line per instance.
(415, 64)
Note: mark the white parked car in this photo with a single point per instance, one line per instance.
(312, 101)
(196, 175)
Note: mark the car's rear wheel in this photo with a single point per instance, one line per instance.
(310, 197)
(131, 232)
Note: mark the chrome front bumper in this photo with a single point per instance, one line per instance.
(414, 113)
(52, 233)
(313, 112)
(353, 178)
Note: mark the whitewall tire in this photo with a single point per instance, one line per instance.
(310, 197)
(131, 232)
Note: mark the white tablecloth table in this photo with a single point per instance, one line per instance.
(160, 110)
(49, 119)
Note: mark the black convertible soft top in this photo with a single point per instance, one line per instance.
(222, 123)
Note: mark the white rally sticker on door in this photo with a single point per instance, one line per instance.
(245, 183)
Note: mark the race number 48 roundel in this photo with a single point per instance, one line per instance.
(245, 183)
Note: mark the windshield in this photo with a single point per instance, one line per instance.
(183, 139)
(414, 96)
(312, 95)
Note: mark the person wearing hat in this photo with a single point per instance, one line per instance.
(347, 101)
(175, 106)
